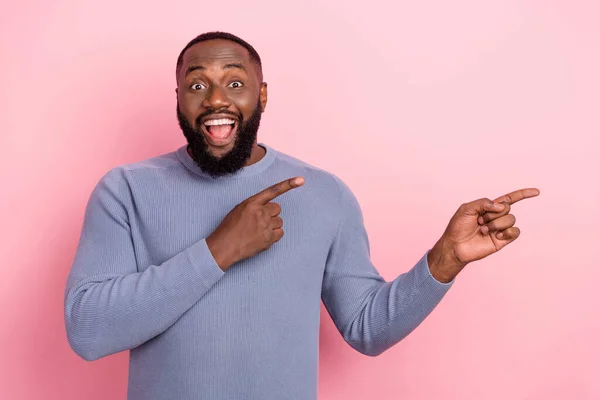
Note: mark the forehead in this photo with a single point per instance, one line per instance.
(216, 51)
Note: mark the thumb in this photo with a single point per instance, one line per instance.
(481, 206)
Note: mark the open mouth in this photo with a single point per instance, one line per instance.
(219, 131)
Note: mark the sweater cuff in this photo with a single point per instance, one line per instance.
(204, 263)
(425, 276)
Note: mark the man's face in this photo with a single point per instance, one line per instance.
(220, 98)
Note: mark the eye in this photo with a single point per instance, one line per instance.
(198, 86)
(236, 84)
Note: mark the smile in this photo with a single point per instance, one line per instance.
(219, 132)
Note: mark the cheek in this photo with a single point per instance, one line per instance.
(189, 108)
(189, 102)
(246, 104)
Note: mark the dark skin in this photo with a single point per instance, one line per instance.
(218, 75)
(477, 230)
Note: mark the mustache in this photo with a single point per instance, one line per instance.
(207, 113)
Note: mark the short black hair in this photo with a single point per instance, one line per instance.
(254, 57)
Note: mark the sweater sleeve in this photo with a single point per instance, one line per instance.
(109, 305)
(371, 314)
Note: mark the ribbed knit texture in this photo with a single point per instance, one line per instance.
(143, 279)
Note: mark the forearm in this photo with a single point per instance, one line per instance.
(370, 313)
(105, 314)
(395, 309)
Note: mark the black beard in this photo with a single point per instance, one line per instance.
(233, 160)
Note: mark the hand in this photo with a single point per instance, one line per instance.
(251, 227)
(476, 230)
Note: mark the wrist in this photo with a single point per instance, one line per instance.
(443, 265)
(219, 253)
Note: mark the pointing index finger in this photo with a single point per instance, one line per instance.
(517, 195)
(278, 189)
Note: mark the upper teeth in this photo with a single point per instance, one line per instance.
(225, 121)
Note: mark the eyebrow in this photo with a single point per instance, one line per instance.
(193, 68)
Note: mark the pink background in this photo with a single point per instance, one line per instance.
(418, 107)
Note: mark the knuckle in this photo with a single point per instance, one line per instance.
(267, 236)
(274, 208)
(275, 188)
(263, 224)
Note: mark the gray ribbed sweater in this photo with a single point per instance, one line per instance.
(143, 279)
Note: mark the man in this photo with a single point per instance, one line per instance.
(183, 258)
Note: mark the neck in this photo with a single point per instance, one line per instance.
(257, 154)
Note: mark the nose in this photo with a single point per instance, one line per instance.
(216, 99)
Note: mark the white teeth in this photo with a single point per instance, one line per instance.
(225, 121)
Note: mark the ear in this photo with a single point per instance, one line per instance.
(263, 96)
